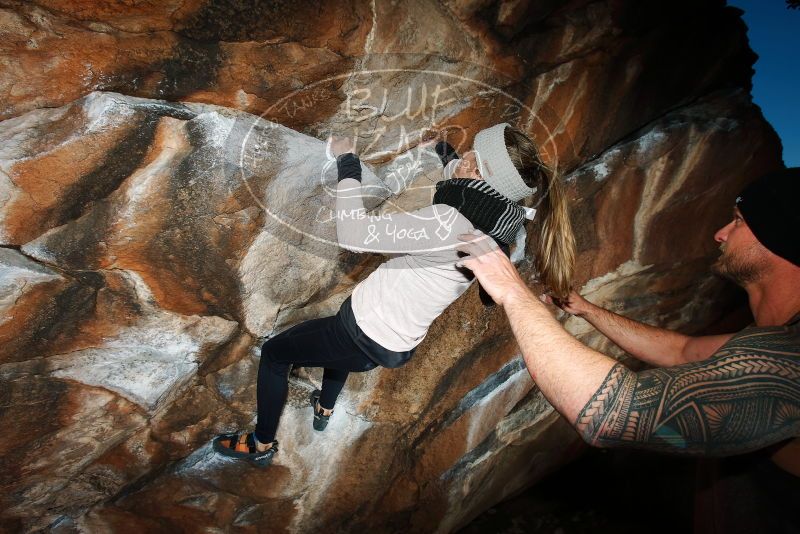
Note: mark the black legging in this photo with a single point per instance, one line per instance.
(326, 342)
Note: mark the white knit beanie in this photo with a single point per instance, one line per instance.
(495, 164)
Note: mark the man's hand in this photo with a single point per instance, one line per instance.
(341, 145)
(574, 304)
(491, 266)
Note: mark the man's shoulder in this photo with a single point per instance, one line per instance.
(779, 340)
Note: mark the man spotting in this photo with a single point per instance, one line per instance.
(716, 395)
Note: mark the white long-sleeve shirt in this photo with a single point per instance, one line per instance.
(397, 303)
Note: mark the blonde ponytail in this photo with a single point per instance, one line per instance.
(554, 256)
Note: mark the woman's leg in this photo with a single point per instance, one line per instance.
(272, 388)
(315, 343)
(332, 383)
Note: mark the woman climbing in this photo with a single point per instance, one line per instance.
(389, 313)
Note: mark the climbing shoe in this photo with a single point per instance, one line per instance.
(320, 419)
(242, 446)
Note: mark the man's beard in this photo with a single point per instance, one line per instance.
(745, 267)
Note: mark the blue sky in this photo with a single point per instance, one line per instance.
(774, 33)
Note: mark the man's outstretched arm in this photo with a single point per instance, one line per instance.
(733, 402)
(656, 346)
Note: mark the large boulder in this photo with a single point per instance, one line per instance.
(151, 238)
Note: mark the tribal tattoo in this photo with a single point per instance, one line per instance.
(744, 397)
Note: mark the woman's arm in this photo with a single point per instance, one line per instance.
(445, 152)
(417, 232)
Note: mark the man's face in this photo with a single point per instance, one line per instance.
(744, 259)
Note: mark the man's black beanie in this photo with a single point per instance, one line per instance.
(770, 208)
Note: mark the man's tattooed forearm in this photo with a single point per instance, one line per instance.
(743, 398)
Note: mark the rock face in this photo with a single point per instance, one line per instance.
(166, 205)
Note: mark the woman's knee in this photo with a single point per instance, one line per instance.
(265, 350)
(269, 356)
